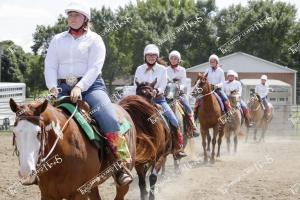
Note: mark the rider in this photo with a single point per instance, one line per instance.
(73, 63)
(262, 90)
(216, 77)
(150, 71)
(176, 72)
(233, 85)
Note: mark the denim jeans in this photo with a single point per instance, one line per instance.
(222, 94)
(101, 108)
(265, 103)
(185, 102)
(167, 111)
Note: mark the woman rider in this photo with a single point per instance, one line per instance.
(150, 71)
(234, 85)
(216, 77)
(73, 63)
(176, 72)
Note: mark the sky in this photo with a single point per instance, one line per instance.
(19, 18)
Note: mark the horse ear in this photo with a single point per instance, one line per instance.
(206, 75)
(42, 107)
(153, 83)
(13, 105)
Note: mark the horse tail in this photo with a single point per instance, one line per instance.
(150, 137)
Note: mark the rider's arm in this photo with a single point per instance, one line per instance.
(182, 78)
(221, 79)
(96, 57)
(51, 65)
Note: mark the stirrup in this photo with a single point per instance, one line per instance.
(179, 154)
(123, 176)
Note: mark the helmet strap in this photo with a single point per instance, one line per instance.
(79, 31)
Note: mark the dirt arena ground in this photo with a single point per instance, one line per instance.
(264, 171)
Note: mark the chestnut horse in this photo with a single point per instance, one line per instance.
(208, 112)
(257, 113)
(153, 149)
(78, 156)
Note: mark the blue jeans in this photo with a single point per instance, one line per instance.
(101, 108)
(185, 102)
(243, 105)
(265, 103)
(167, 111)
(222, 94)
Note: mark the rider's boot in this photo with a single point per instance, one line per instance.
(227, 105)
(119, 148)
(178, 142)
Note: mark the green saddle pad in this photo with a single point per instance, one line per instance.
(86, 127)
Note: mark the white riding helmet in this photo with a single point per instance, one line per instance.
(236, 75)
(79, 6)
(214, 56)
(151, 49)
(231, 73)
(264, 77)
(176, 54)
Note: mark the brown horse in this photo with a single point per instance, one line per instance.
(257, 113)
(153, 149)
(235, 121)
(79, 158)
(208, 112)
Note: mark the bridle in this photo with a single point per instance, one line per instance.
(199, 91)
(42, 134)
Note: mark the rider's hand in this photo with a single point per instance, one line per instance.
(75, 94)
(54, 91)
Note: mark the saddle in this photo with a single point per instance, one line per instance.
(87, 123)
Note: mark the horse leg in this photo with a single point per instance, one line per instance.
(121, 192)
(176, 165)
(153, 176)
(255, 132)
(140, 169)
(214, 141)
(246, 138)
(204, 135)
(235, 143)
(228, 141)
(220, 133)
(208, 141)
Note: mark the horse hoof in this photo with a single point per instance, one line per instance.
(212, 161)
(205, 160)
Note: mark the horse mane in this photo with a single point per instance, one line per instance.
(149, 135)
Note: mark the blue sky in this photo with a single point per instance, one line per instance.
(18, 18)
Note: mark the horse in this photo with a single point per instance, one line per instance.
(208, 112)
(235, 121)
(172, 94)
(256, 110)
(79, 159)
(153, 149)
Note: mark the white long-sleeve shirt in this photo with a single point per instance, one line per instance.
(158, 71)
(178, 73)
(232, 85)
(82, 57)
(261, 90)
(215, 77)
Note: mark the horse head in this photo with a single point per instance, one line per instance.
(201, 86)
(235, 98)
(146, 89)
(28, 134)
(254, 102)
(172, 90)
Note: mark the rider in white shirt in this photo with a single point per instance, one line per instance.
(74, 64)
(216, 77)
(148, 72)
(262, 90)
(176, 72)
(234, 85)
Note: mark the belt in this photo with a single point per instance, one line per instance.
(74, 81)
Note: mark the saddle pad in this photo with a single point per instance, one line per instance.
(179, 107)
(87, 129)
(220, 101)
